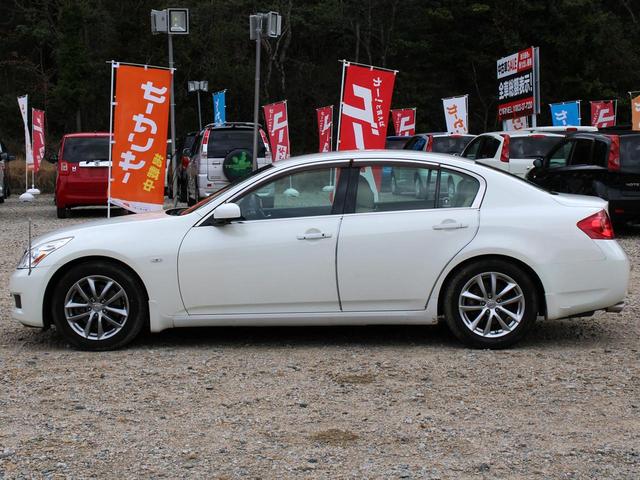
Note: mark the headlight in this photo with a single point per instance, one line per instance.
(41, 250)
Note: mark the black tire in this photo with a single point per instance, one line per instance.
(62, 212)
(475, 339)
(138, 313)
(2, 199)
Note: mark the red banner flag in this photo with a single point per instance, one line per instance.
(404, 121)
(325, 128)
(278, 129)
(140, 137)
(364, 107)
(603, 113)
(37, 136)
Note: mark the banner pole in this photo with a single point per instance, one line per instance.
(111, 142)
(344, 67)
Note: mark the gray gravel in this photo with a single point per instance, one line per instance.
(370, 402)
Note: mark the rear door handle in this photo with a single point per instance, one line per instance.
(314, 236)
(449, 226)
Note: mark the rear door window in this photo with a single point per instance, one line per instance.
(472, 149)
(560, 156)
(489, 148)
(223, 141)
(85, 149)
(582, 151)
(630, 152)
(531, 147)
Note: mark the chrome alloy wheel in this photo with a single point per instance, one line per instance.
(96, 307)
(491, 304)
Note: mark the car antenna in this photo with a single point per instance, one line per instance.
(29, 247)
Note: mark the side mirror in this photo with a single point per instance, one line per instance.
(537, 162)
(226, 212)
(53, 158)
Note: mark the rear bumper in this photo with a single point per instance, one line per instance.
(574, 288)
(624, 207)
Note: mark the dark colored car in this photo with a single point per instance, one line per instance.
(604, 164)
(450, 143)
(396, 142)
(5, 157)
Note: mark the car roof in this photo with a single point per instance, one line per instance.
(520, 133)
(231, 125)
(86, 134)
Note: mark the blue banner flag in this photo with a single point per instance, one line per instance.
(219, 107)
(565, 114)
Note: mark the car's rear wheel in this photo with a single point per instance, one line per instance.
(490, 304)
(99, 306)
(62, 212)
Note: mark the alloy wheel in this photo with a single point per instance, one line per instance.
(96, 307)
(491, 304)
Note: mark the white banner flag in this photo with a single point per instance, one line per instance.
(517, 123)
(455, 113)
(22, 103)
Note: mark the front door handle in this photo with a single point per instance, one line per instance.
(314, 236)
(450, 226)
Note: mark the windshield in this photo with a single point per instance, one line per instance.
(85, 149)
(449, 145)
(630, 152)
(531, 147)
(223, 141)
(217, 193)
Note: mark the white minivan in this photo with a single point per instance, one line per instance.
(222, 154)
(513, 152)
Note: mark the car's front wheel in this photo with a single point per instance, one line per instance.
(99, 306)
(490, 304)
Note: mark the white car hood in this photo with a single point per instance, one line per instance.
(571, 200)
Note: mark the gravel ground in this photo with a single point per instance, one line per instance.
(368, 402)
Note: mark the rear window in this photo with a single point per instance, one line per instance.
(630, 152)
(449, 145)
(221, 142)
(395, 143)
(85, 149)
(531, 147)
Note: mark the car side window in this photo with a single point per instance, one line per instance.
(419, 145)
(414, 188)
(581, 154)
(471, 151)
(489, 148)
(560, 157)
(301, 194)
(457, 190)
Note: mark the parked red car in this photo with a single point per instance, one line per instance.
(83, 171)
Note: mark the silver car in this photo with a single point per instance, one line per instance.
(222, 154)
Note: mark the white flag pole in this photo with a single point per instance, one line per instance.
(112, 104)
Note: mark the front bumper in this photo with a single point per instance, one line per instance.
(31, 289)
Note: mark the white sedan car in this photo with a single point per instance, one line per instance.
(313, 241)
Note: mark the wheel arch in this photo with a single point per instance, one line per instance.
(542, 306)
(53, 281)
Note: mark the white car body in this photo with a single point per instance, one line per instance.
(496, 150)
(368, 268)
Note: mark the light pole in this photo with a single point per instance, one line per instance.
(198, 86)
(269, 25)
(172, 21)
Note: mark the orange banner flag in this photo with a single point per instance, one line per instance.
(138, 153)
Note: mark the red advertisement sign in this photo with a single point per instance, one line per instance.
(278, 129)
(603, 113)
(325, 128)
(404, 121)
(141, 118)
(365, 105)
(37, 135)
(516, 84)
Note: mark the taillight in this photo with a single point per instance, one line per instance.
(429, 146)
(504, 154)
(597, 226)
(613, 163)
(64, 168)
